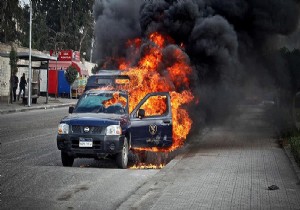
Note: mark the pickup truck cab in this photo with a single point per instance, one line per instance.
(100, 125)
(114, 78)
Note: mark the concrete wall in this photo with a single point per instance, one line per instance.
(4, 78)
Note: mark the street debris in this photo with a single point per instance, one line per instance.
(273, 187)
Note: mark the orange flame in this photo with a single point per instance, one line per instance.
(156, 105)
(147, 166)
(180, 71)
(123, 65)
(114, 100)
(158, 39)
(150, 76)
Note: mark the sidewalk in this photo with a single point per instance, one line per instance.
(18, 106)
(227, 167)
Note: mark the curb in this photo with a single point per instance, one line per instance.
(289, 154)
(34, 108)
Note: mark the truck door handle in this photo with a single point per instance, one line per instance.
(167, 121)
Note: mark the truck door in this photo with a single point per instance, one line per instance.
(151, 122)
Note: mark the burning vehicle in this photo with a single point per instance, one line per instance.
(100, 125)
(153, 119)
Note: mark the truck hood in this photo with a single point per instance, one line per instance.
(96, 119)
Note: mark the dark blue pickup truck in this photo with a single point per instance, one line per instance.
(100, 125)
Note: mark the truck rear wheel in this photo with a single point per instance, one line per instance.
(122, 157)
(66, 159)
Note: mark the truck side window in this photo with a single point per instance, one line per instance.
(155, 106)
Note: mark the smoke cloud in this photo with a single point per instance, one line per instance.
(223, 40)
(115, 22)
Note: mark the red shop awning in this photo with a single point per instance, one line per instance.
(63, 65)
(80, 68)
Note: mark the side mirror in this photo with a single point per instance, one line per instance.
(71, 109)
(141, 113)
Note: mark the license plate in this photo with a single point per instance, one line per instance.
(85, 142)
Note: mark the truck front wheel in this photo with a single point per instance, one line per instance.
(66, 159)
(122, 157)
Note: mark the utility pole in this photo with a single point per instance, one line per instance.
(29, 73)
(92, 46)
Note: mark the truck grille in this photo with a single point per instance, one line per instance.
(78, 129)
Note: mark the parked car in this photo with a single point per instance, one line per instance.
(100, 125)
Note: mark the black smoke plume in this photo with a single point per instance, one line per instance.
(224, 40)
(115, 22)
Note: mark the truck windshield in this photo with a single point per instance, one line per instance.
(113, 103)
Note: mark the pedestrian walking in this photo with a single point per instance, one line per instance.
(22, 85)
(14, 83)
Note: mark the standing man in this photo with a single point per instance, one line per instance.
(22, 85)
(14, 83)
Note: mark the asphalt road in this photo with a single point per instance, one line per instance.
(32, 176)
(229, 166)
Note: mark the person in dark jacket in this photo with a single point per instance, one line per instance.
(14, 83)
(22, 85)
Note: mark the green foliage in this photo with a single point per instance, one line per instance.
(56, 24)
(284, 70)
(13, 61)
(295, 147)
(10, 17)
(292, 59)
(71, 74)
(288, 88)
(284, 73)
(62, 24)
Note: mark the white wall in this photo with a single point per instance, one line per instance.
(43, 81)
(4, 78)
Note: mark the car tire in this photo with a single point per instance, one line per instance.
(122, 157)
(66, 159)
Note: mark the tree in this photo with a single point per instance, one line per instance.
(60, 25)
(71, 75)
(56, 24)
(10, 17)
(284, 73)
(13, 62)
(292, 59)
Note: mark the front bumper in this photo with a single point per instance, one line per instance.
(102, 145)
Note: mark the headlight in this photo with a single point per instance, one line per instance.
(63, 128)
(113, 130)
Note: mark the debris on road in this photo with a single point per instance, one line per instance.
(273, 187)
